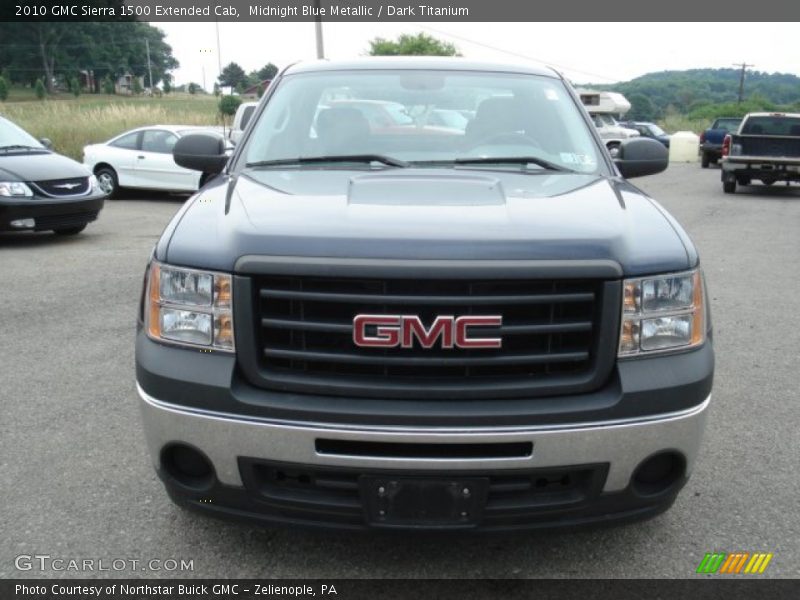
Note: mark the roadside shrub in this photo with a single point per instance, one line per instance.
(108, 86)
(3, 89)
(136, 86)
(193, 88)
(229, 104)
(167, 86)
(75, 87)
(39, 89)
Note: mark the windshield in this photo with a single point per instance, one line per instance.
(656, 130)
(424, 118)
(11, 135)
(772, 125)
(727, 124)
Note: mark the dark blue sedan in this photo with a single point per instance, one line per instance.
(650, 130)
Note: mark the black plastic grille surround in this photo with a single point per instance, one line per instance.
(46, 222)
(557, 336)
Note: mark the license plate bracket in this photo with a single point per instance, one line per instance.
(423, 502)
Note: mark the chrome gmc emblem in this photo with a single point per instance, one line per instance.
(407, 331)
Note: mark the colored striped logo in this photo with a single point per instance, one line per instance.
(735, 563)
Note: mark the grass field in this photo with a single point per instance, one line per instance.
(71, 123)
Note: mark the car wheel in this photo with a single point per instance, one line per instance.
(107, 180)
(743, 181)
(704, 161)
(70, 230)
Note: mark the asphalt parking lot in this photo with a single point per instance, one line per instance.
(76, 480)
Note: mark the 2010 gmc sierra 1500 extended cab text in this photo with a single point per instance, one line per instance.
(423, 327)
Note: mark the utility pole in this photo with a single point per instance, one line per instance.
(318, 29)
(741, 79)
(149, 68)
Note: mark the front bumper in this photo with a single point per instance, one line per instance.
(270, 470)
(49, 213)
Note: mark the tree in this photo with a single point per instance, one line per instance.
(268, 71)
(40, 89)
(642, 108)
(57, 50)
(167, 85)
(3, 89)
(193, 87)
(136, 86)
(75, 87)
(108, 86)
(233, 75)
(217, 91)
(420, 44)
(229, 104)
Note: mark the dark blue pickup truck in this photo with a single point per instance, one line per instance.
(711, 139)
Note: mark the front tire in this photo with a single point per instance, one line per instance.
(729, 187)
(107, 180)
(70, 230)
(705, 160)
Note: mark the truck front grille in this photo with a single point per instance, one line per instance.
(552, 335)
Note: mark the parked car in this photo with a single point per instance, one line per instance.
(142, 158)
(240, 121)
(711, 139)
(766, 148)
(41, 190)
(409, 330)
(649, 130)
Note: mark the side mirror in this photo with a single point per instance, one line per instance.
(641, 156)
(201, 152)
(46, 142)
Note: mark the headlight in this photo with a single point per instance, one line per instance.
(662, 313)
(190, 307)
(15, 189)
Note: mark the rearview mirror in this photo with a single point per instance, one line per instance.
(201, 152)
(641, 156)
(46, 143)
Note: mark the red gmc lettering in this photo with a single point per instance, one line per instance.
(407, 331)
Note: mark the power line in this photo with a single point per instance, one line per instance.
(741, 79)
(519, 54)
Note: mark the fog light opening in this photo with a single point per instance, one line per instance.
(658, 473)
(23, 223)
(187, 466)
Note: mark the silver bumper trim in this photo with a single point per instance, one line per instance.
(223, 437)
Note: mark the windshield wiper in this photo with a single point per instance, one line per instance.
(20, 147)
(337, 158)
(513, 160)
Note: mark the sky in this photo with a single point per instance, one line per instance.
(584, 52)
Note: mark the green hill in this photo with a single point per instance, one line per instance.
(697, 92)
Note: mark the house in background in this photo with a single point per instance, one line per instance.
(255, 90)
(124, 83)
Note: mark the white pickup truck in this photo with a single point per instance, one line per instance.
(240, 120)
(766, 147)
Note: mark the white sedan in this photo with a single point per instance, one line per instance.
(142, 158)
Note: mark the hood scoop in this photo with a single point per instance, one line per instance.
(417, 189)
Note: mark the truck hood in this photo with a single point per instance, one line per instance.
(39, 166)
(426, 214)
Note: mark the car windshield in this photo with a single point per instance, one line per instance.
(12, 136)
(656, 130)
(423, 118)
(728, 124)
(772, 125)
